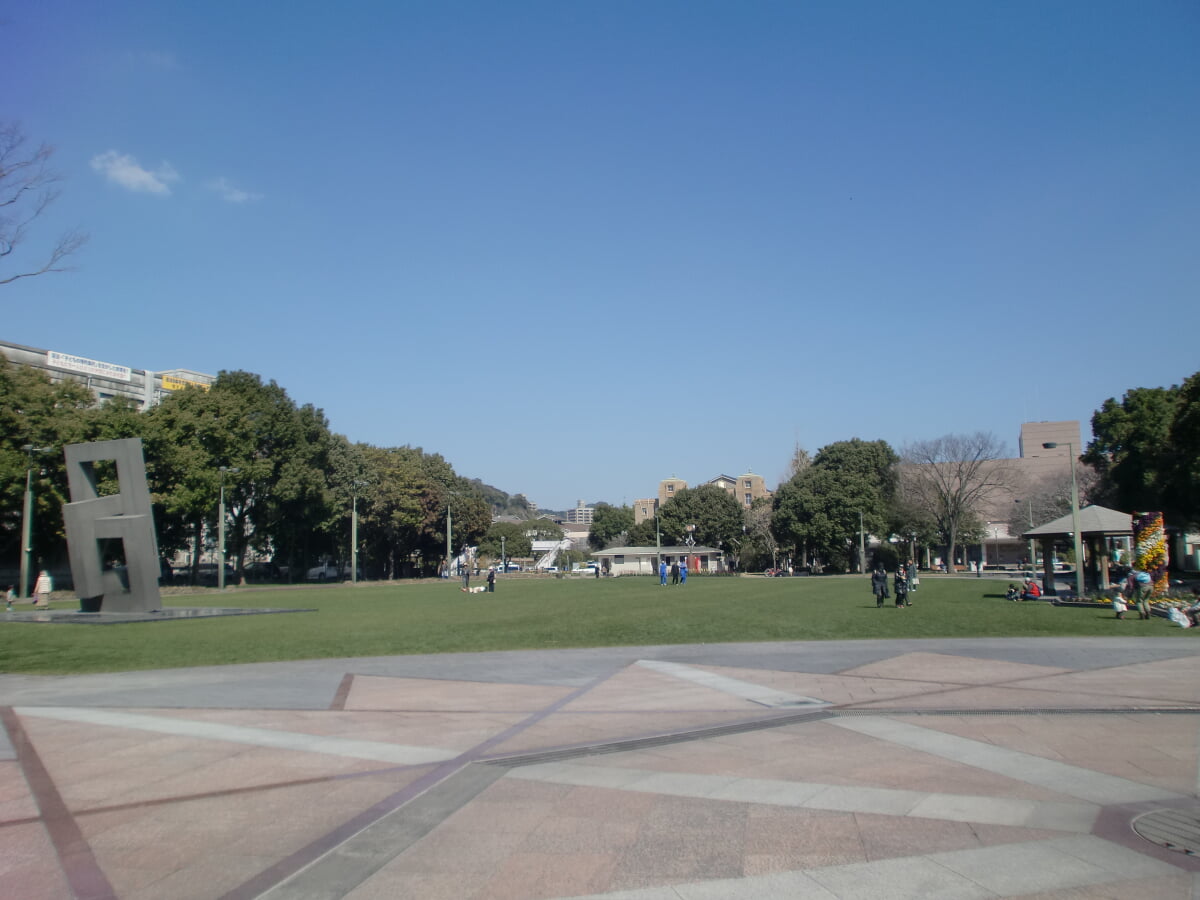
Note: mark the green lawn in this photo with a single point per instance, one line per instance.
(540, 613)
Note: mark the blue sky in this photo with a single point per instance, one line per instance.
(578, 247)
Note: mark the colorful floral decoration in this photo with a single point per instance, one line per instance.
(1150, 549)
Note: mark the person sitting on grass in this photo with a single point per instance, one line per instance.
(1032, 590)
(1012, 593)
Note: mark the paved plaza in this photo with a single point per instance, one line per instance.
(952, 769)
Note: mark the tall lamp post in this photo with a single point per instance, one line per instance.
(224, 470)
(1032, 553)
(503, 558)
(354, 486)
(862, 546)
(1050, 445)
(27, 518)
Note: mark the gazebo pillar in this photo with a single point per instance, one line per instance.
(1048, 566)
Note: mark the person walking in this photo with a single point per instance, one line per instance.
(491, 580)
(683, 567)
(662, 573)
(1138, 587)
(674, 573)
(911, 570)
(9, 596)
(41, 590)
(465, 569)
(879, 586)
(900, 585)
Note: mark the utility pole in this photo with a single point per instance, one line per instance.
(27, 519)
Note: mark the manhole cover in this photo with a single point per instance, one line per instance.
(1175, 829)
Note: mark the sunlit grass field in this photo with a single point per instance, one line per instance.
(540, 612)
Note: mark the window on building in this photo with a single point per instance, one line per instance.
(746, 483)
(670, 488)
(619, 559)
(749, 499)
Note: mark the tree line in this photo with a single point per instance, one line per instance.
(935, 493)
(289, 482)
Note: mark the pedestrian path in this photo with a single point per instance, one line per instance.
(861, 769)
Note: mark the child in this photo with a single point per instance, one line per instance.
(1119, 605)
(1012, 593)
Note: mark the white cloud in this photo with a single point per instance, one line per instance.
(230, 193)
(124, 170)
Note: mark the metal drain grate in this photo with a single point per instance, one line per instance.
(1175, 829)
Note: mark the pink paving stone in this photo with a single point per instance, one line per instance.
(824, 753)
(1176, 681)
(668, 856)
(448, 850)
(388, 885)
(28, 865)
(837, 689)
(1170, 887)
(780, 839)
(1159, 750)
(949, 669)
(889, 837)
(639, 688)
(1042, 697)
(564, 834)
(147, 844)
(378, 692)
(200, 883)
(565, 729)
(531, 876)
(16, 802)
(603, 804)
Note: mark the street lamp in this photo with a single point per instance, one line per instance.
(354, 486)
(503, 559)
(224, 470)
(862, 546)
(27, 518)
(1050, 445)
(1032, 553)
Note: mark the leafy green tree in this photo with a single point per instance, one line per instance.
(279, 498)
(1132, 452)
(610, 524)
(643, 534)
(716, 515)
(39, 413)
(390, 513)
(817, 511)
(516, 541)
(1185, 446)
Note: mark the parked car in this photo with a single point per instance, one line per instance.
(323, 572)
(330, 572)
(510, 567)
(262, 571)
(550, 569)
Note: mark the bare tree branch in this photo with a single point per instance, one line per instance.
(27, 188)
(949, 479)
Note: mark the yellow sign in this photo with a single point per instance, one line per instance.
(178, 384)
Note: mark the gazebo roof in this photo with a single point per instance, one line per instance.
(1092, 520)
